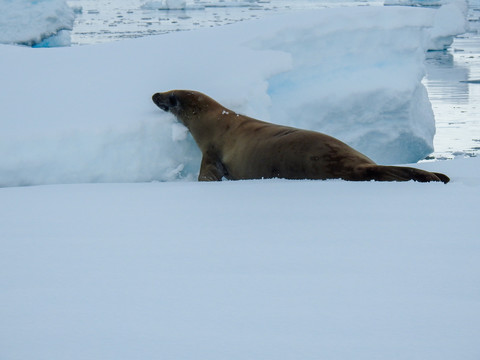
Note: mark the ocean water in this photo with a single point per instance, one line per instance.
(453, 75)
(110, 20)
(453, 84)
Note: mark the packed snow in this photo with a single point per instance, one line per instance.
(269, 269)
(42, 23)
(84, 114)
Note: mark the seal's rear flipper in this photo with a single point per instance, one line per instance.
(398, 173)
(444, 178)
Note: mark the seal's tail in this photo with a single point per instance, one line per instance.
(400, 173)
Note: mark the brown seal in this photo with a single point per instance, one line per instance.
(239, 147)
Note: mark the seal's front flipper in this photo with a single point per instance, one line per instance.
(211, 169)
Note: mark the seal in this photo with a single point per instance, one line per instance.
(238, 147)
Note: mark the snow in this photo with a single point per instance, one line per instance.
(43, 23)
(84, 114)
(270, 269)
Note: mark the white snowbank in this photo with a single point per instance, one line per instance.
(243, 270)
(44, 23)
(84, 114)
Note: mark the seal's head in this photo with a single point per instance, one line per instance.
(184, 104)
(165, 101)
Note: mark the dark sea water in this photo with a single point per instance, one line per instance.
(453, 75)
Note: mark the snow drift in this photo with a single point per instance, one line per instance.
(43, 23)
(84, 114)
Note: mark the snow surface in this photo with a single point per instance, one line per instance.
(269, 269)
(43, 23)
(84, 114)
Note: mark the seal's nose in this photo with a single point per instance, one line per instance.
(159, 100)
(155, 97)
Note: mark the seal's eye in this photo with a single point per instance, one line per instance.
(173, 100)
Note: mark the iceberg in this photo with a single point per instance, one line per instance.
(231, 3)
(84, 114)
(41, 23)
(434, 3)
(450, 20)
(166, 5)
(198, 5)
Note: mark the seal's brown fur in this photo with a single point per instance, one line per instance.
(239, 147)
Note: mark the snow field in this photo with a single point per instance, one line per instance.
(270, 269)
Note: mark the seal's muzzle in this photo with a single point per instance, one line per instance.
(160, 101)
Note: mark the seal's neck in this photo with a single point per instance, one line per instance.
(209, 128)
